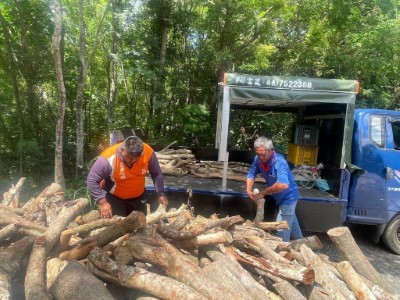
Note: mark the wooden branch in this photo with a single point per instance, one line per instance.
(12, 218)
(13, 192)
(5, 285)
(161, 214)
(134, 221)
(350, 251)
(13, 258)
(167, 147)
(136, 278)
(14, 210)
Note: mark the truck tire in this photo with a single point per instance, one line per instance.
(391, 235)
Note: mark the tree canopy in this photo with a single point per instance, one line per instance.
(156, 65)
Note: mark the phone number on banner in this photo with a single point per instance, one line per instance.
(289, 84)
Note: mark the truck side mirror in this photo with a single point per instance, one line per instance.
(389, 173)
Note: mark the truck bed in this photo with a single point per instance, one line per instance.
(233, 187)
(316, 210)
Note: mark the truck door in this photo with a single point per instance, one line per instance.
(393, 162)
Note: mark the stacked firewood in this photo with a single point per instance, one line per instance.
(171, 254)
(179, 162)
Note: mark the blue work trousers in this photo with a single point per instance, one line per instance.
(288, 213)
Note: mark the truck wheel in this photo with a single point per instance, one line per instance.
(391, 235)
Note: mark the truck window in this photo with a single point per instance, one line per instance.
(377, 130)
(396, 135)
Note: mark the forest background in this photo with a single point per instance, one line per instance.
(73, 71)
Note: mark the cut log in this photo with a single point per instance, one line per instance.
(354, 281)
(313, 242)
(54, 266)
(265, 251)
(85, 228)
(268, 226)
(220, 273)
(134, 221)
(288, 291)
(305, 275)
(76, 282)
(15, 256)
(91, 216)
(194, 229)
(151, 247)
(260, 211)
(323, 276)
(348, 248)
(255, 289)
(11, 218)
(46, 207)
(159, 286)
(220, 237)
(35, 279)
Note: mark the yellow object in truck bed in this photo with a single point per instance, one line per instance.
(302, 155)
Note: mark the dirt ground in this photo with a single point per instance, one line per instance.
(385, 262)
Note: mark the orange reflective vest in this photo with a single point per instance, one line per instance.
(128, 183)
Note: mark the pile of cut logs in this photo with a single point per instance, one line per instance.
(180, 162)
(64, 253)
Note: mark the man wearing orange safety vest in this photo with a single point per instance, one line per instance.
(120, 171)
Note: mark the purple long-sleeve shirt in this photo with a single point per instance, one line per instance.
(102, 170)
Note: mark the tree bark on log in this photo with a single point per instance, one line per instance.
(265, 251)
(35, 278)
(134, 221)
(288, 291)
(306, 275)
(313, 242)
(132, 277)
(255, 289)
(354, 281)
(150, 247)
(161, 214)
(345, 243)
(326, 278)
(220, 273)
(220, 237)
(267, 226)
(76, 282)
(195, 229)
(43, 208)
(13, 257)
(85, 228)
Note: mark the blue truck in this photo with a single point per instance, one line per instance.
(359, 148)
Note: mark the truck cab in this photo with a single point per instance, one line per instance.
(374, 197)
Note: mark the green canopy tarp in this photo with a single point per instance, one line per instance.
(253, 91)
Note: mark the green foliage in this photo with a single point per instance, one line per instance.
(175, 98)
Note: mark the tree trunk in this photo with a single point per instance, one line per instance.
(84, 66)
(14, 80)
(58, 162)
